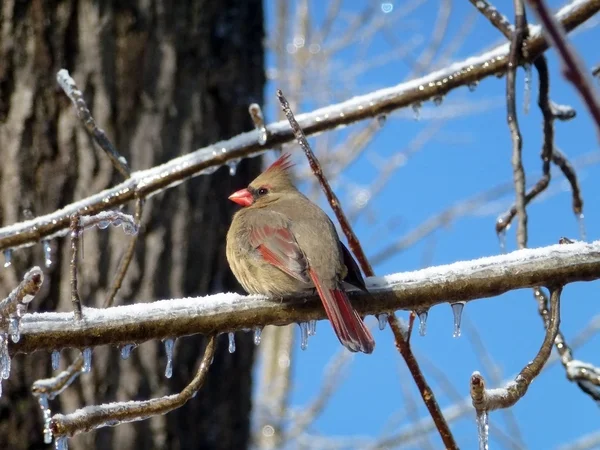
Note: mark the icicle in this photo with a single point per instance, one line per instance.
(422, 322)
(257, 335)
(126, 350)
(232, 166)
(7, 258)
(312, 327)
(129, 228)
(527, 93)
(169, 344)
(87, 360)
(14, 328)
(61, 443)
(47, 253)
(382, 319)
(47, 415)
(416, 107)
(55, 359)
(473, 85)
(4, 357)
(381, 119)
(231, 342)
(483, 430)
(457, 309)
(103, 224)
(502, 240)
(303, 335)
(438, 99)
(581, 222)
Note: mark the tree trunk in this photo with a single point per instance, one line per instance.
(162, 79)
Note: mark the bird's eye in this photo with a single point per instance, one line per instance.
(263, 191)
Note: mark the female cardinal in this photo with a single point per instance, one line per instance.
(281, 243)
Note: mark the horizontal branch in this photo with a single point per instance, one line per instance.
(220, 313)
(206, 160)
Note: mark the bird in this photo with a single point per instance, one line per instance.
(280, 243)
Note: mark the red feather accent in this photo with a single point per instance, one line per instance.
(283, 163)
(278, 247)
(347, 324)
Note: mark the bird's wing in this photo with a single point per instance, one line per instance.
(354, 276)
(278, 246)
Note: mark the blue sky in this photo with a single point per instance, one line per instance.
(469, 154)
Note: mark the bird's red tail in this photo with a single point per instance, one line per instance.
(347, 324)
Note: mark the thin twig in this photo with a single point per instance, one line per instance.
(585, 375)
(202, 161)
(550, 112)
(461, 281)
(54, 386)
(401, 341)
(427, 395)
(353, 241)
(490, 367)
(75, 231)
(573, 69)
(516, 48)
(70, 88)
(127, 257)
(111, 414)
(16, 303)
(489, 400)
(496, 18)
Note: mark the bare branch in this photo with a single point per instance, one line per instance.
(401, 338)
(75, 232)
(585, 375)
(205, 160)
(16, 303)
(573, 69)
(128, 256)
(70, 88)
(353, 241)
(111, 414)
(496, 18)
(491, 399)
(516, 50)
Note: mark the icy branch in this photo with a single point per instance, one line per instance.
(16, 302)
(220, 313)
(112, 414)
(208, 159)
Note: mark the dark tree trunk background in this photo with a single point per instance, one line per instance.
(162, 79)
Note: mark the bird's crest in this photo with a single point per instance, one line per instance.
(282, 164)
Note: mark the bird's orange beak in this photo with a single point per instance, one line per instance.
(242, 197)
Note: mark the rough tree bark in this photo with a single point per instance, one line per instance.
(161, 78)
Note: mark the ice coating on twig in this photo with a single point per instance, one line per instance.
(115, 218)
(46, 415)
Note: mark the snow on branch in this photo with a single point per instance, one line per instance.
(206, 160)
(220, 313)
